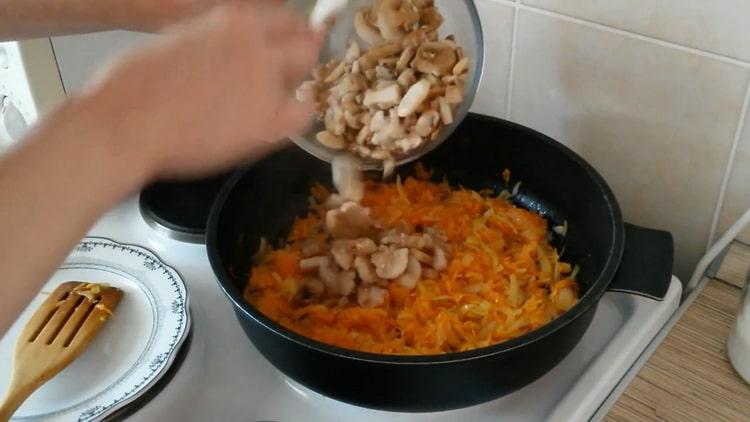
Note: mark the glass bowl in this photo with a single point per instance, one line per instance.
(461, 20)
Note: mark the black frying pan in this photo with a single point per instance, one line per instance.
(263, 201)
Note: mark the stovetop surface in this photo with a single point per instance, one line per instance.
(225, 378)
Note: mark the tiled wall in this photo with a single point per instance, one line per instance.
(653, 93)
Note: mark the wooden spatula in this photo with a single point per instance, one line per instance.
(56, 334)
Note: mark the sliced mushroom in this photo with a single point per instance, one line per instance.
(352, 52)
(338, 283)
(349, 221)
(407, 78)
(371, 297)
(445, 111)
(454, 94)
(314, 263)
(365, 270)
(434, 135)
(311, 248)
(383, 73)
(334, 201)
(409, 143)
(412, 274)
(427, 122)
(389, 166)
(430, 18)
(448, 79)
(401, 46)
(363, 134)
(390, 132)
(349, 84)
(461, 67)
(349, 103)
(414, 38)
(328, 275)
(393, 237)
(383, 98)
(352, 120)
(434, 80)
(328, 139)
(378, 121)
(423, 4)
(347, 283)
(381, 154)
(336, 124)
(319, 72)
(364, 246)
(368, 32)
(421, 256)
(343, 257)
(391, 15)
(436, 58)
(309, 289)
(439, 259)
(390, 263)
(382, 51)
(436, 90)
(307, 91)
(413, 98)
(406, 57)
(336, 73)
(347, 177)
(428, 241)
(429, 273)
(389, 62)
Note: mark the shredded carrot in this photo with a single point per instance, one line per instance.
(506, 176)
(503, 278)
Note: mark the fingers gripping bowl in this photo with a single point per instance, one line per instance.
(373, 73)
(264, 201)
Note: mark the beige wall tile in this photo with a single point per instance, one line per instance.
(719, 26)
(657, 122)
(497, 24)
(737, 198)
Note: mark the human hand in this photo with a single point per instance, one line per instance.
(210, 95)
(154, 15)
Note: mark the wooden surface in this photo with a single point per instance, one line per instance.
(689, 377)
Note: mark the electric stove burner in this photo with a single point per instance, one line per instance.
(180, 210)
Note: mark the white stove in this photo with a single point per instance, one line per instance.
(223, 377)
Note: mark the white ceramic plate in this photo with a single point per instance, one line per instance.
(133, 350)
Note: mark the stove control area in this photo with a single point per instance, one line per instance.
(30, 86)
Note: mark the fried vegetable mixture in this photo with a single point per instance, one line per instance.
(413, 268)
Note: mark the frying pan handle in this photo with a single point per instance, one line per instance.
(646, 266)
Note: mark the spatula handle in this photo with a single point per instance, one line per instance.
(14, 398)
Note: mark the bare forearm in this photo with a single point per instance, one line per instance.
(140, 121)
(52, 189)
(42, 18)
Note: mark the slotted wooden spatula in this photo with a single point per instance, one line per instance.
(56, 334)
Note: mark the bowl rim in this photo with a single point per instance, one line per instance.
(327, 154)
(590, 298)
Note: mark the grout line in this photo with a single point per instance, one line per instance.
(511, 65)
(728, 169)
(640, 37)
(511, 3)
